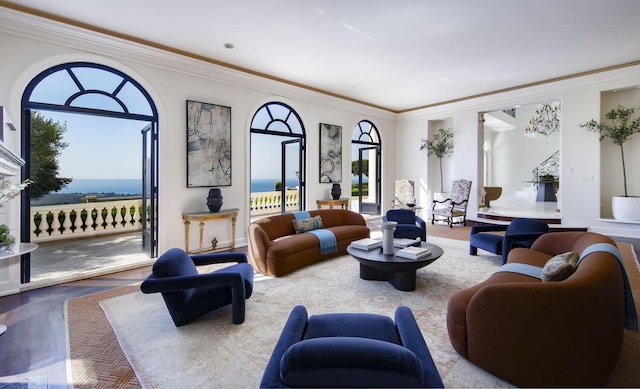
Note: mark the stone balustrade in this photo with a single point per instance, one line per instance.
(73, 221)
(263, 203)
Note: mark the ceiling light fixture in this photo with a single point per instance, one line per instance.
(545, 122)
(229, 45)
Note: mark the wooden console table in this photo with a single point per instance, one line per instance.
(204, 216)
(343, 203)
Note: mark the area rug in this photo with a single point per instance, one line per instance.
(212, 352)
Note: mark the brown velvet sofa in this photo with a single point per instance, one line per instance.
(275, 249)
(534, 333)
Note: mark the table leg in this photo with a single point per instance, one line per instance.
(186, 235)
(403, 280)
(233, 231)
(201, 234)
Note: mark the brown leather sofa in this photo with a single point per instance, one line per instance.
(275, 249)
(534, 333)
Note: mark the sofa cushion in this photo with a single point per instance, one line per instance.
(304, 225)
(560, 267)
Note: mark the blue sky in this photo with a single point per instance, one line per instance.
(100, 147)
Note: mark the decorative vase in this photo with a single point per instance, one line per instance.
(336, 191)
(626, 208)
(214, 201)
(387, 228)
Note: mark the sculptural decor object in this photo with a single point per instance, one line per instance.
(336, 191)
(214, 200)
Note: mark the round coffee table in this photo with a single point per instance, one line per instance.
(399, 272)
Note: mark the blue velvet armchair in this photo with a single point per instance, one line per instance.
(350, 350)
(189, 294)
(409, 225)
(519, 233)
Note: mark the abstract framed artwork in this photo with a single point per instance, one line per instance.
(330, 153)
(208, 144)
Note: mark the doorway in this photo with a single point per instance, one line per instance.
(101, 94)
(366, 167)
(277, 178)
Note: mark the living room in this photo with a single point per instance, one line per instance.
(37, 43)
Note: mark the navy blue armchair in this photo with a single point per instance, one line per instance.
(409, 225)
(519, 233)
(351, 350)
(189, 294)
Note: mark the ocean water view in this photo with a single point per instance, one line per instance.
(133, 186)
(127, 186)
(269, 184)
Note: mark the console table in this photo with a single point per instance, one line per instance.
(202, 217)
(15, 251)
(343, 203)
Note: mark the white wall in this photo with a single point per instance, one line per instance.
(580, 152)
(35, 45)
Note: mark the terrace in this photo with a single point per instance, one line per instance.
(96, 237)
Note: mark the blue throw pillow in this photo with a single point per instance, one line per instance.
(305, 225)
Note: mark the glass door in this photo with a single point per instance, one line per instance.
(149, 191)
(369, 191)
(292, 171)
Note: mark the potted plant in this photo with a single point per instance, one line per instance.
(441, 145)
(623, 124)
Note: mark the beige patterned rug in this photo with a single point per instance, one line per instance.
(212, 352)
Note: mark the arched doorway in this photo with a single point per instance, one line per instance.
(277, 159)
(84, 88)
(366, 160)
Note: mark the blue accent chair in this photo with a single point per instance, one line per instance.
(409, 225)
(519, 233)
(351, 350)
(189, 294)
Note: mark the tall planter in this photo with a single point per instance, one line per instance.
(626, 208)
(623, 123)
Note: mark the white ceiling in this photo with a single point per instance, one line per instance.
(398, 55)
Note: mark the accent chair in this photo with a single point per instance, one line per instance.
(519, 233)
(409, 224)
(189, 294)
(351, 350)
(455, 207)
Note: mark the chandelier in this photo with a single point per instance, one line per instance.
(545, 122)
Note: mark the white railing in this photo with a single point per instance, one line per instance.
(263, 203)
(72, 221)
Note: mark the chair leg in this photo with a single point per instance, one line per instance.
(473, 250)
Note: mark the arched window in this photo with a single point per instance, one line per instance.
(93, 89)
(366, 158)
(277, 124)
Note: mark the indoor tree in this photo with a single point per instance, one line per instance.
(623, 124)
(440, 145)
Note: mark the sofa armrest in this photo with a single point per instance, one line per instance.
(208, 259)
(292, 333)
(413, 340)
(492, 228)
(259, 243)
(173, 284)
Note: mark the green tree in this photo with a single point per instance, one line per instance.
(365, 167)
(440, 145)
(46, 146)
